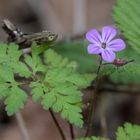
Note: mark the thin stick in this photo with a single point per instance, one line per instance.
(71, 131)
(93, 100)
(22, 127)
(104, 125)
(57, 125)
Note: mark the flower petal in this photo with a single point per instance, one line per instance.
(108, 55)
(93, 49)
(108, 33)
(93, 36)
(116, 45)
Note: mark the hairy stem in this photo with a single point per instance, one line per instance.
(93, 99)
(22, 127)
(57, 125)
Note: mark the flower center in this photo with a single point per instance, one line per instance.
(103, 45)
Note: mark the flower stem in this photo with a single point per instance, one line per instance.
(23, 129)
(93, 99)
(71, 131)
(57, 125)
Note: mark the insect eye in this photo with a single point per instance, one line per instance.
(51, 38)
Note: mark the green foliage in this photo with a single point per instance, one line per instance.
(77, 51)
(107, 70)
(54, 80)
(126, 74)
(34, 61)
(87, 63)
(59, 90)
(128, 132)
(10, 57)
(55, 60)
(92, 138)
(129, 73)
(126, 15)
(15, 98)
(65, 99)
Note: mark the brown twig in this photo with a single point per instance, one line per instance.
(71, 131)
(104, 125)
(57, 125)
(22, 127)
(93, 100)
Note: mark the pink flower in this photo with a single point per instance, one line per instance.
(104, 44)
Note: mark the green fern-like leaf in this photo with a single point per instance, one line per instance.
(61, 95)
(15, 100)
(38, 90)
(14, 97)
(107, 70)
(10, 57)
(55, 60)
(127, 18)
(128, 132)
(34, 61)
(62, 75)
(92, 138)
(127, 74)
(60, 88)
(126, 15)
(77, 51)
(65, 99)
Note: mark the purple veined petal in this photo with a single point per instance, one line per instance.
(108, 33)
(94, 49)
(116, 45)
(93, 36)
(108, 55)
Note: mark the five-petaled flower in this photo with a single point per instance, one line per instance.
(104, 44)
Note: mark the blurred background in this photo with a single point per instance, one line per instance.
(68, 18)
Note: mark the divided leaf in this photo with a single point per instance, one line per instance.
(65, 99)
(21, 69)
(107, 70)
(128, 132)
(10, 57)
(4, 91)
(55, 60)
(38, 90)
(126, 15)
(92, 138)
(60, 88)
(60, 95)
(57, 85)
(34, 61)
(76, 50)
(55, 76)
(15, 100)
(14, 97)
(129, 73)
